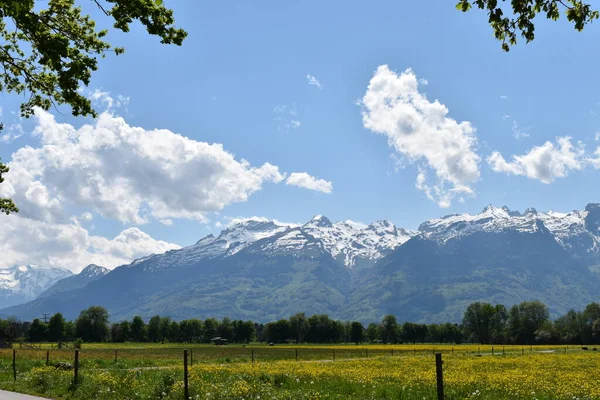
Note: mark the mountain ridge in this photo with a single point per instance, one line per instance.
(262, 269)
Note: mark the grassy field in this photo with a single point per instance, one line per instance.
(145, 371)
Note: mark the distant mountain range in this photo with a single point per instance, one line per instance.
(23, 283)
(265, 270)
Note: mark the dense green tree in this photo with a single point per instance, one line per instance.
(509, 22)
(279, 331)
(163, 329)
(92, 324)
(390, 329)
(138, 329)
(574, 327)
(373, 332)
(357, 332)
(70, 330)
(210, 329)
(592, 312)
(525, 319)
(483, 322)
(596, 331)
(38, 331)
(243, 331)
(225, 329)
(450, 333)
(173, 334)
(56, 328)
(322, 329)
(120, 332)
(300, 325)
(11, 329)
(154, 329)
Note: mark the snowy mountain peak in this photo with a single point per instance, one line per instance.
(26, 282)
(530, 211)
(93, 270)
(320, 221)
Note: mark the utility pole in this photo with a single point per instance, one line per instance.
(46, 316)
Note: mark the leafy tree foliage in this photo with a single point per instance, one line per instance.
(7, 206)
(357, 332)
(37, 331)
(92, 324)
(509, 22)
(49, 49)
(138, 329)
(299, 326)
(484, 323)
(525, 319)
(57, 328)
(390, 329)
(525, 323)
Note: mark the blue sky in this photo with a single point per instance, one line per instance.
(243, 61)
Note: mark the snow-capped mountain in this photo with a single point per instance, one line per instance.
(23, 283)
(264, 270)
(346, 241)
(89, 274)
(576, 231)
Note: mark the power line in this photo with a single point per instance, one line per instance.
(46, 317)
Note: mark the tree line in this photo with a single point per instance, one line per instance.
(524, 323)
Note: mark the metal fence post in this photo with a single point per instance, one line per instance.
(439, 376)
(186, 386)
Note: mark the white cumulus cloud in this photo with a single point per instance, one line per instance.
(127, 173)
(304, 180)
(314, 81)
(26, 241)
(421, 131)
(545, 163)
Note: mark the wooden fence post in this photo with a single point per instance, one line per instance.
(392, 352)
(333, 354)
(47, 357)
(116, 355)
(191, 357)
(186, 386)
(76, 368)
(439, 376)
(253, 356)
(14, 364)
(296, 354)
(367, 353)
